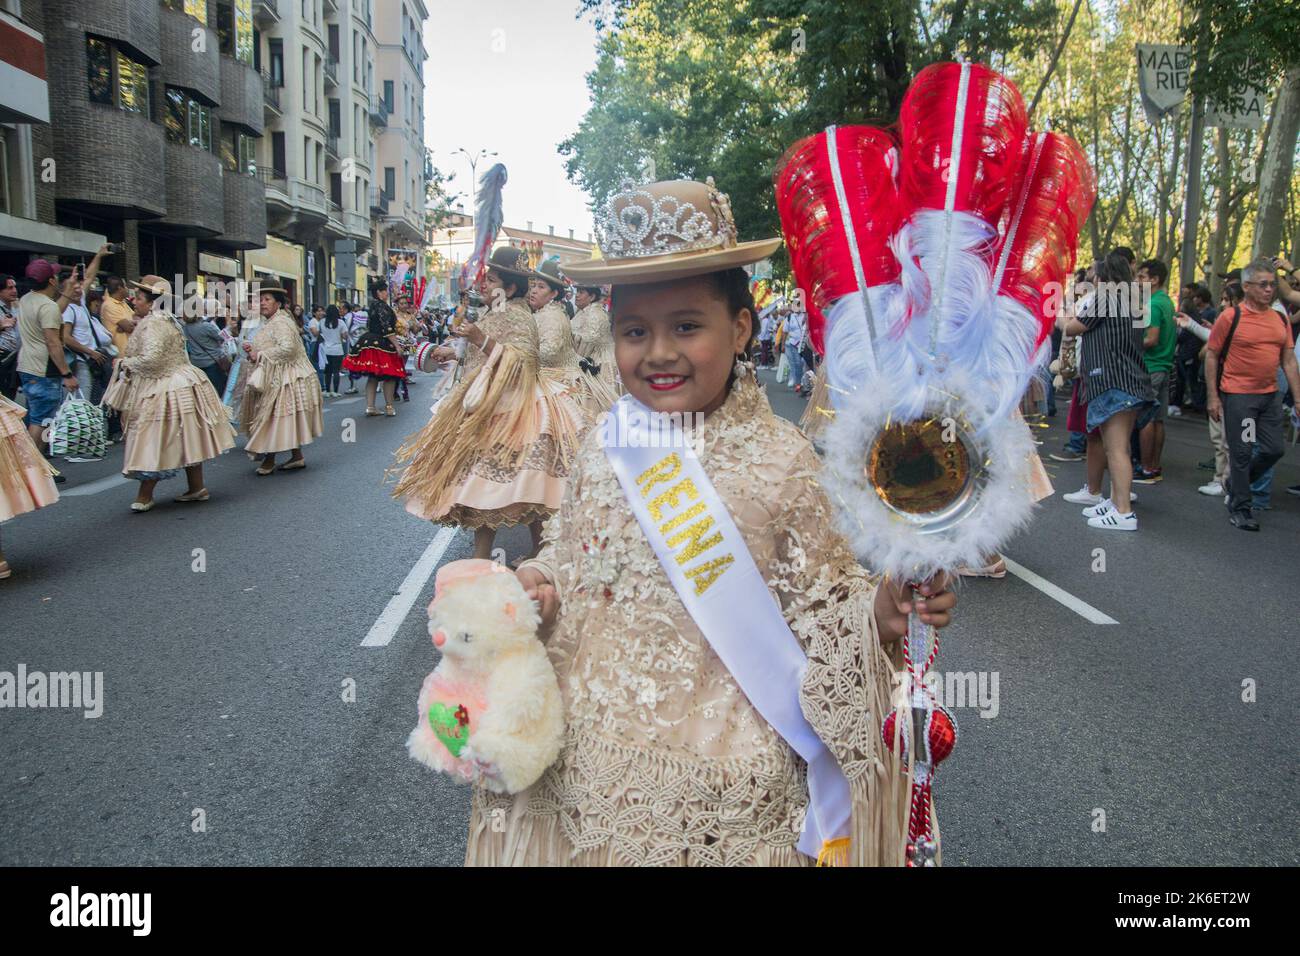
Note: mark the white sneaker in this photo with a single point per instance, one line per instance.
(1099, 509)
(1174, 411)
(1082, 497)
(1114, 521)
(1213, 488)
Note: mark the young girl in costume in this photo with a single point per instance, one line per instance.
(723, 704)
(498, 447)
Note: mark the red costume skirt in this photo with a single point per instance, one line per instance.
(377, 362)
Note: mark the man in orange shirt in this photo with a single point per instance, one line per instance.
(115, 314)
(1245, 398)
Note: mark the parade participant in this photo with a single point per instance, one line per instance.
(559, 360)
(26, 478)
(172, 417)
(674, 752)
(496, 451)
(594, 342)
(282, 406)
(248, 320)
(376, 354)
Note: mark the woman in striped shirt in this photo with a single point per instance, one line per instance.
(1116, 386)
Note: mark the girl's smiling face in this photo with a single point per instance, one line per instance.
(676, 343)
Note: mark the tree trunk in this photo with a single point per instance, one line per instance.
(1218, 250)
(1275, 177)
(1056, 56)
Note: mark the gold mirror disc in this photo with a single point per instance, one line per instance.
(914, 470)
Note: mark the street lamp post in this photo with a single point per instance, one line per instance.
(473, 165)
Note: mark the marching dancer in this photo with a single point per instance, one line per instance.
(376, 353)
(557, 357)
(497, 449)
(282, 402)
(594, 343)
(172, 417)
(725, 661)
(26, 478)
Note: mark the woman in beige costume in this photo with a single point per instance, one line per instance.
(594, 341)
(282, 402)
(171, 416)
(557, 357)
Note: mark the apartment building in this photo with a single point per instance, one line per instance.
(337, 133)
(156, 113)
(400, 160)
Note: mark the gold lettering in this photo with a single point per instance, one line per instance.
(670, 498)
(665, 469)
(709, 572)
(691, 512)
(694, 533)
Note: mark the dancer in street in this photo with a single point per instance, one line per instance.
(594, 342)
(172, 417)
(557, 357)
(376, 353)
(497, 449)
(282, 402)
(26, 478)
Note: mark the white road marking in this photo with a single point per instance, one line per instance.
(95, 487)
(1081, 608)
(345, 401)
(381, 633)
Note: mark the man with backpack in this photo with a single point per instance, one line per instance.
(1248, 345)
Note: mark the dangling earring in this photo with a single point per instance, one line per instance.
(741, 369)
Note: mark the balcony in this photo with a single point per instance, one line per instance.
(266, 11)
(356, 225)
(195, 198)
(245, 212)
(242, 95)
(378, 110)
(275, 180)
(332, 146)
(378, 201)
(331, 70)
(271, 94)
(182, 65)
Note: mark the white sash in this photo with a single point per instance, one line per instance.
(710, 566)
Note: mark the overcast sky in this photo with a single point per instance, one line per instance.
(508, 76)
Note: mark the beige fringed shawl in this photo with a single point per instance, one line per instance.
(665, 761)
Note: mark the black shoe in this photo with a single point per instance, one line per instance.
(1143, 477)
(1244, 522)
(60, 479)
(1207, 465)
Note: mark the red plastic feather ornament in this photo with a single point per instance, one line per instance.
(839, 208)
(962, 127)
(1055, 192)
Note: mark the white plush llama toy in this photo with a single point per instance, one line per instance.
(491, 710)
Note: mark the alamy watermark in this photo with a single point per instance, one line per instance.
(74, 690)
(622, 427)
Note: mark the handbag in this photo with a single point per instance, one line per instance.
(78, 430)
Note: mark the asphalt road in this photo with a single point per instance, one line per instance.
(228, 690)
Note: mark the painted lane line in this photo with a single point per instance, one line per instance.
(1081, 608)
(381, 633)
(95, 487)
(345, 401)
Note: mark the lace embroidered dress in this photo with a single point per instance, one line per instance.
(503, 459)
(665, 761)
(282, 401)
(559, 364)
(593, 339)
(171, 415)
(26, 478)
